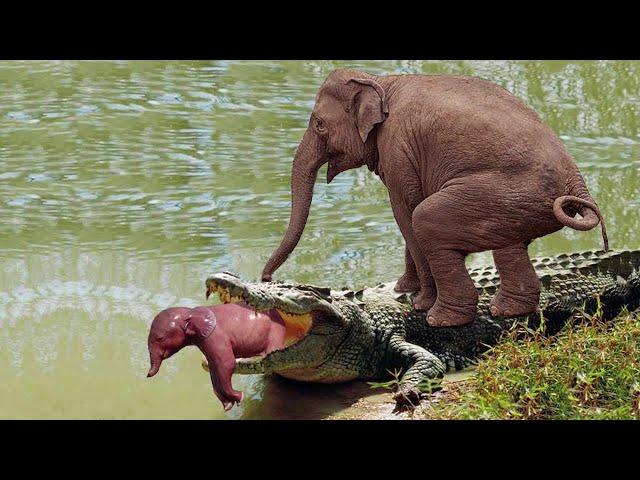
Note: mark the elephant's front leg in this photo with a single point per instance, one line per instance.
(421, 370)
(409, 281)
(427, 287)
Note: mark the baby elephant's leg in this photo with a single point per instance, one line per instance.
(519, 291)
(222, 362)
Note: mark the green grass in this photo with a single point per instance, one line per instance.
(590, 371)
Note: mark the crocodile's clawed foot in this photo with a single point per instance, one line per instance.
(442, 316)
(506, 305)
(424, 300)
(407, 284)
(407, 399)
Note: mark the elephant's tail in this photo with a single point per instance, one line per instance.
(590, 212)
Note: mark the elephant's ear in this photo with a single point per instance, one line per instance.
(200, 325)
(370, 106)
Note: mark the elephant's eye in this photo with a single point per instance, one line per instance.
(320, 126)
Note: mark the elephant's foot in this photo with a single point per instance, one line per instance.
(424, 300)
(441, 315)
(506, 304)
(407, 283)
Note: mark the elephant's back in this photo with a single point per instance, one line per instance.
(479, 121)
(457, 96)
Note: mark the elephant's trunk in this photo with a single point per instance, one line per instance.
(303, 177)
(156, 361)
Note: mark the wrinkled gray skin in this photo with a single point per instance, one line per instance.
(369, 333)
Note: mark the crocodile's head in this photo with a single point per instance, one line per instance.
(315, 327)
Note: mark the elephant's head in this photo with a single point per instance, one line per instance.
(175, 328)
(341, 133)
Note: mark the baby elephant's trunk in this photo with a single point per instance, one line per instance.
(156, 361)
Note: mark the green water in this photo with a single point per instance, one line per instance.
(124, 184)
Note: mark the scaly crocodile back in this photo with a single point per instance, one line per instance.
(616, 264)
(620, 263)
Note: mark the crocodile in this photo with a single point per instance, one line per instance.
(374, 333)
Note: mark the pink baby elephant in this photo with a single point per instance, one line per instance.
(223, 333)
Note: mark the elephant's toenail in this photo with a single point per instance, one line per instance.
(494, 310)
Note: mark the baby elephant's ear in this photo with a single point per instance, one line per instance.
(200, 325)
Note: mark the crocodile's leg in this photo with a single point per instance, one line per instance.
(409, 281)
(519, 291)
(454, 361)
(417, 364)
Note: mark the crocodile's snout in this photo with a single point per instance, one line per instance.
(227, 285)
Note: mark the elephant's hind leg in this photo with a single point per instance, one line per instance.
(519, 291)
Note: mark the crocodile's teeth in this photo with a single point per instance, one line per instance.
(253, 365)
(243, 365)
(214, 288)
(223, 293)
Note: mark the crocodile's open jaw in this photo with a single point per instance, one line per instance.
(303, 311)
(297, 325)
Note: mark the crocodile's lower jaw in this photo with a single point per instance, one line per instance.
(255, 366)
(246, 366)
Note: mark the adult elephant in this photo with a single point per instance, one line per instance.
(469, 168)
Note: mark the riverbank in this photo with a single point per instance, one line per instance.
(589, 372)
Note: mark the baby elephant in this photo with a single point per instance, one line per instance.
(222, 333)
